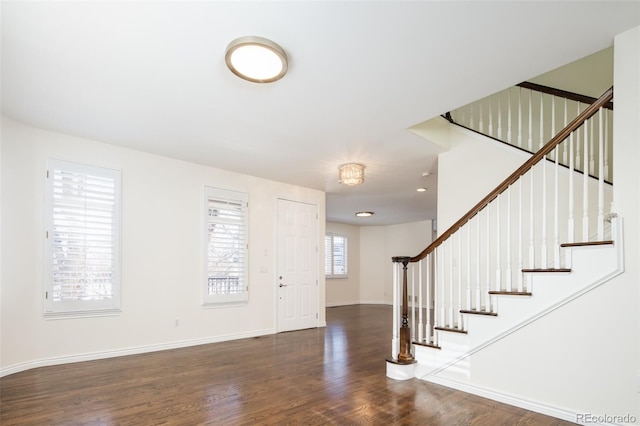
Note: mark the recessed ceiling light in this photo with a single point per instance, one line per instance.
(364, 214)
(421, 189)
(425, 174)
(256, 59)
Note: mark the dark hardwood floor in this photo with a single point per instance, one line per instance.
(310, 377)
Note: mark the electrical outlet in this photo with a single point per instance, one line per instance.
(176, 323)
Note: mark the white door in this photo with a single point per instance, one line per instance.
(297, 275)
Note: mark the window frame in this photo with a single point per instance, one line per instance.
(234, 299)
(330, 250)
(81, 308)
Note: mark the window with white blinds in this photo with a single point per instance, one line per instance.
(226, 217)
(83, 239)
(335, 256)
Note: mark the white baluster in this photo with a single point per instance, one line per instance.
(420, 307)
(427, 333)
(498, 251)
(553, 119)
(530, 139)
(564, 153)
(541, 144)
(499, 118)
(459, 304)
(411, 302)
(395, 342)
(600, 176)
(468, 265)
(543, 245)
(441, 276)
(606, 143)
(532, 242)
(471, 121)
(490, 116)
(488, 251)
(556, 215)
(520, 235)
(585, 184)
(578, 148)
(481, 118)
(520, 117)
(451, 284)
(478, 291)
(509, 117)
(508, 266)
(571, 224)
(592, 162)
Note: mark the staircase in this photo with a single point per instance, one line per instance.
(542, 238)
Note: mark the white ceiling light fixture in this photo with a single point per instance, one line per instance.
(256, 59)
(351, 174)
(421, 189)
(364, 214)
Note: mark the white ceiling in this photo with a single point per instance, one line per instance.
(151, 76)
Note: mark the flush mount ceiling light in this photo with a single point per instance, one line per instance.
(256, 59)
(351, 174)
(421, 189)
(364, 214)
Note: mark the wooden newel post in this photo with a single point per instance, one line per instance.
(405, 354)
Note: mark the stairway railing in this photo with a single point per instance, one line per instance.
(527, 115)
(518, 227)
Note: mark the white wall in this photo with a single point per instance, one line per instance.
(378, 244)
(346, 291)
(624, 305)
(161, 253)
(473, 166)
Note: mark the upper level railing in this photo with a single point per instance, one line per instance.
(518, 226)
(528, 115)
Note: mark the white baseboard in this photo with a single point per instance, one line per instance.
(334, 304)
(16, 368)
(505, 398)
(358, 302)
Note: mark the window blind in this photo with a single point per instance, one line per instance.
(226, 235)
(335, 255)
(82, 233)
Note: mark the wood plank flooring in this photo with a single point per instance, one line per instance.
(310, 377)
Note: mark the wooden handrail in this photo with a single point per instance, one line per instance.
(536, 158)
(562, 93)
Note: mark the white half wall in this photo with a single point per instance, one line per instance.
(162, 259)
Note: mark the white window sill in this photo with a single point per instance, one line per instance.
(82, 314)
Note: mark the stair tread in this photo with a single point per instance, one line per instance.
(511, 293)
(473, 312)
(453, 330)
(588, 243)
(428, 345)
(547, 270)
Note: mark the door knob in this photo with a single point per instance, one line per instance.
(282, 285)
